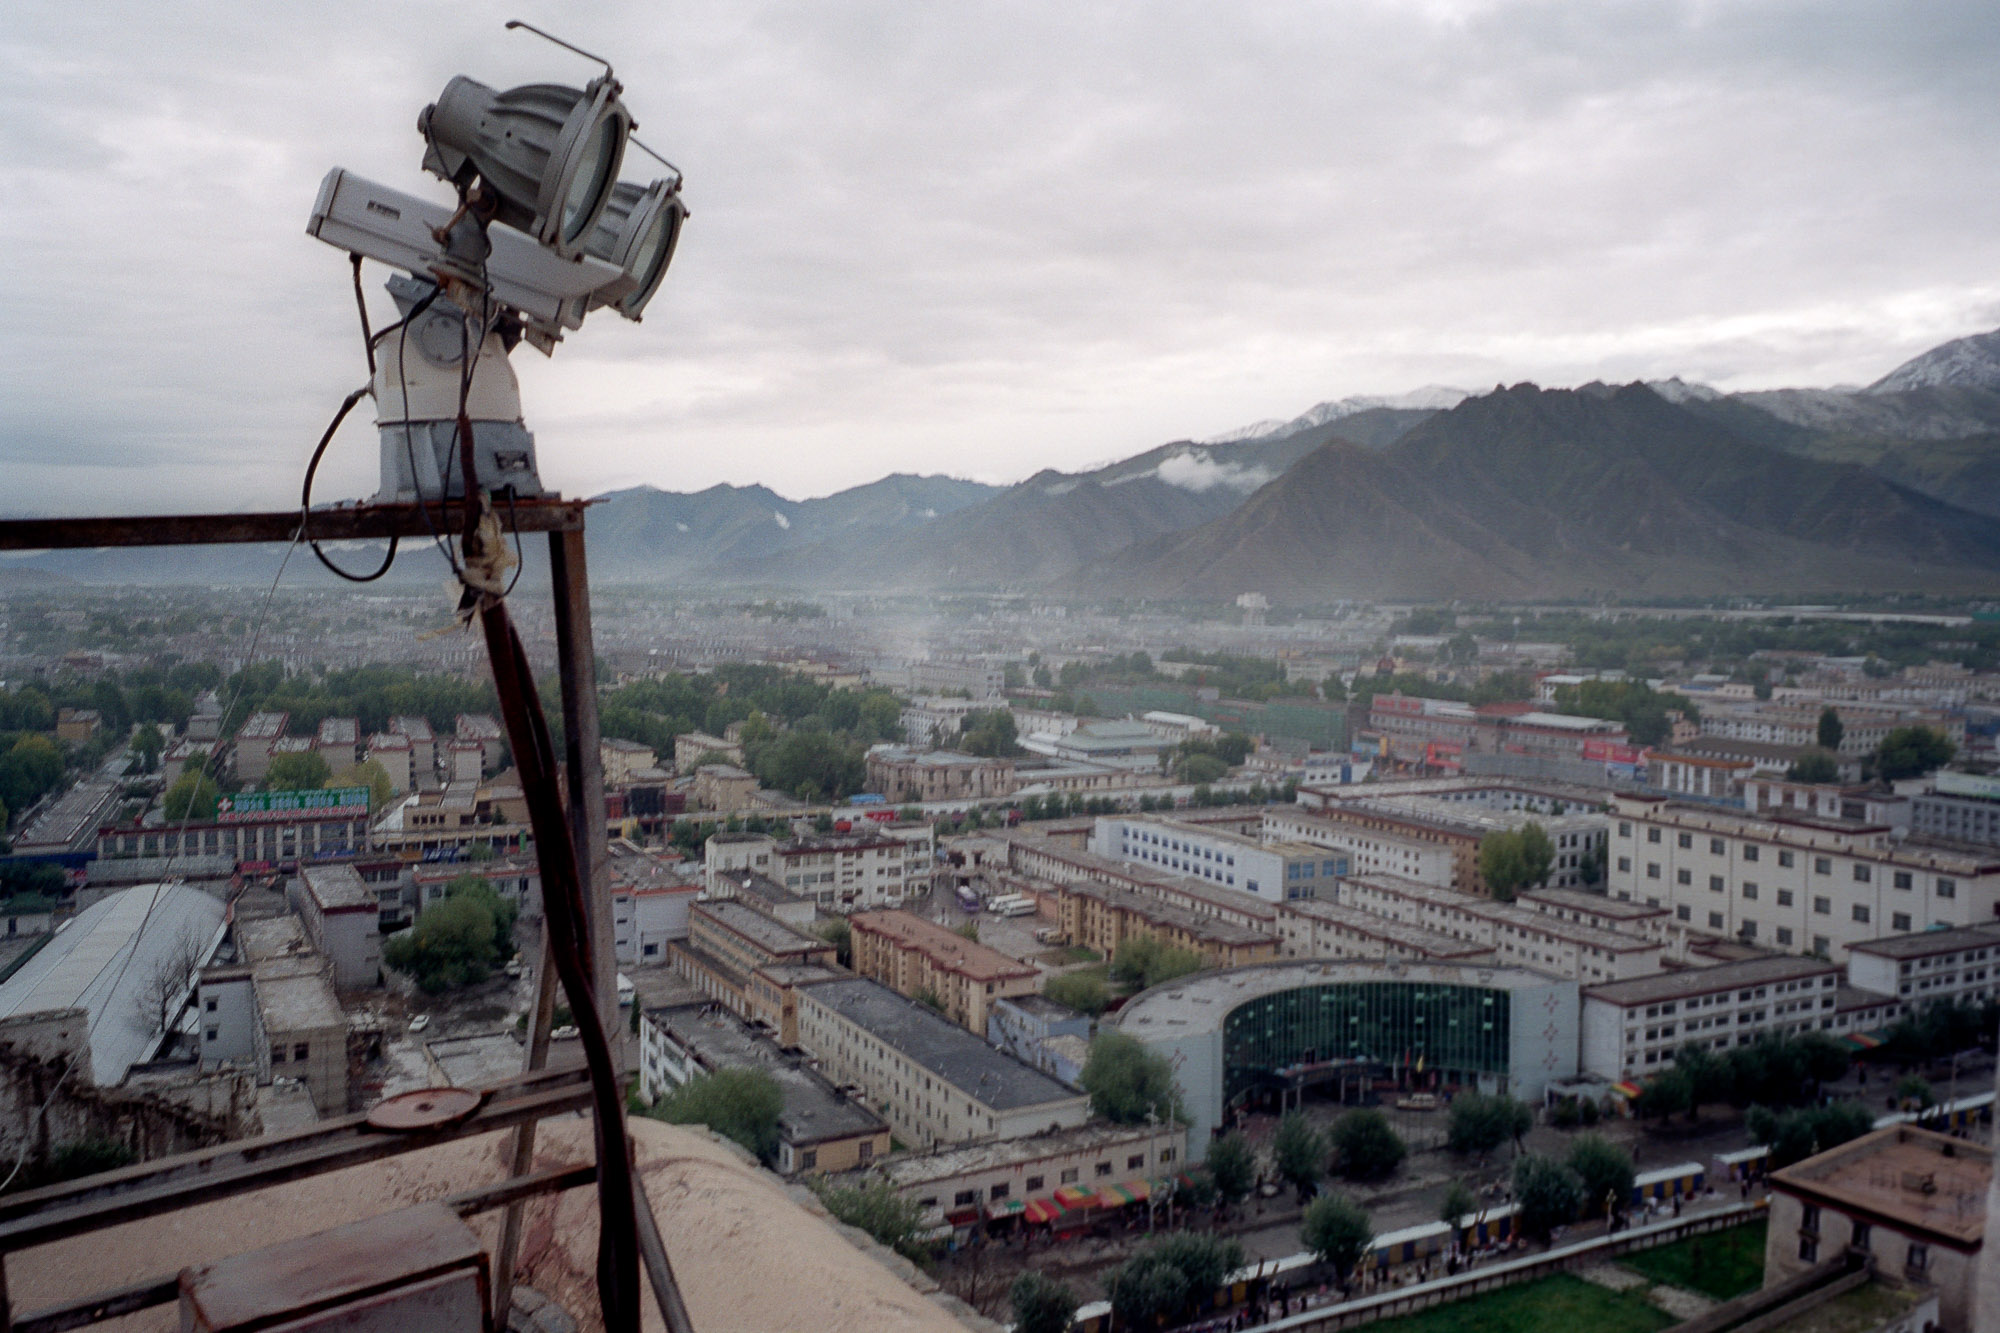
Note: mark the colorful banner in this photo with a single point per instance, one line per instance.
(264, 807)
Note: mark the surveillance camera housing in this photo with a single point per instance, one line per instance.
(548, 152)
(640, 227)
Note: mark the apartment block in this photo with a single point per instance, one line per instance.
(933, 1081)
(338, 742)
(1320, 928)
(914, 956)
(340, 914)
(423, 745)
(1273, 871)
(728, 942)
(937, 775)
(1103, 916)
(1633, 1028)
(1930, 965)
(253, 744)
(959, 1186)
(1801, 883)
(1517, 935)
(1041, 857)
(398, 759)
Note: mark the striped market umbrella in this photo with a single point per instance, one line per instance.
(1042, 1210)
(1074, 1196)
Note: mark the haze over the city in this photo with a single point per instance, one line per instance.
(987, 243)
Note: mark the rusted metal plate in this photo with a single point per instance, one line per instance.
(427, 1108)
(348, 523)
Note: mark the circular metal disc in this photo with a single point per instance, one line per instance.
(426, 1108)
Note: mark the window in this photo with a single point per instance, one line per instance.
(1899, 921)
(1809, 1218)
(1624, 863)
(999, 1191)
(1685, 840)
(1136, 1162)
(1863, 1233)
(1785, 860)
(1822, 945)
(1683, 877)
(1785, 936)
(277, 1052)
(210, 1004)
(1652, 835)
(965, 1198)
(1901, 879)
(808, 1159)
(1166, 1155)
(1947, 888)
(1069, 1175)
(1748, 930)
(1823, 906)
(1624, 828)
(1822, 865)
(1750, 852)
(1784, 897)
(1104, 1168)
(1715, 884)
(1684, 912)
(1808, 1248)
(1652, 870)
(1861, 913)
(1715, 921)
(866, 1153)
(1032, 1183)
(1750, 890)
(1919, 1259)
(210, 1034)
(1862, 874)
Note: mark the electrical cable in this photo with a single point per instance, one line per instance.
(306, 493)
(159, 888)
(361, 304)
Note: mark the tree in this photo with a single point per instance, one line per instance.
(1590, 866)
(1365, 1147)
(1792, 1136)
(1459, 1202)
(165, 986)
(876, 1208)
(1915, 1088)
(1603, 1169)
(192, 797)
(147, 742)
(1201, 768)
(837, 933)
(740, 1104)
(301, 770)
(1830, 729)
(1514, 860)
(1336, 1229)
(31, 768)
(969, 929)
(1671, 1091)
(1078, 990)
(1481, 1123)
(1549, 1194)
(1909, 752)
(989, 734)
(1041, 1304)
(1826, 1060)
(929, 998)
(1142, 961)
(1710, 1078)
(368, 773)
(1169, 1277)
(1814, 766)
(1233, 1166)
(458, 942)
(1126, 1081)
(1298, 1152)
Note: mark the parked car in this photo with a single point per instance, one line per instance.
(420, 1022)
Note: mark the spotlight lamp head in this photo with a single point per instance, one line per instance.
(638, 231)
(550, 153)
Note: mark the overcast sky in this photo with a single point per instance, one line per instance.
(985, 239)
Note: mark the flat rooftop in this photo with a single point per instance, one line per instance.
(767, 933)
(1918, 1181)
(1764, 971)
(1211, 930)
(814, 1109)
(947, 1050)
(335, 887)
(1596, 904)
(296, 995)
(1199, 1003)
(1928, 943)
(910, 1169)
(945, 948)
(1420, 938)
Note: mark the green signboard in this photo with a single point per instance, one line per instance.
(262, 806)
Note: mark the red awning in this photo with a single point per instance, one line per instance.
(1042, 1210)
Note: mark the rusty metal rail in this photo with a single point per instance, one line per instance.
(349, 523)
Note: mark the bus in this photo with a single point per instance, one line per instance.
(968, 899)
(1011, 904)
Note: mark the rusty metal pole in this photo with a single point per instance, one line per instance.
(583, 763)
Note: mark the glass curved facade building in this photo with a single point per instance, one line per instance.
(1234, 1033)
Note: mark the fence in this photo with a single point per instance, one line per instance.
(1444, 1291)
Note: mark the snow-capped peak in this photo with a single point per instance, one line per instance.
(1432, 397)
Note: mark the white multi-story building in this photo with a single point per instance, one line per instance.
(1365, 850)
(876, 866)
(1864, 726)
(1517, 935)
(1274, 871)
(1930, 965)
(1799, 883)
(929, 723)
(1633, 1028)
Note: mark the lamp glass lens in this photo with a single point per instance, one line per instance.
(652, 251)
(592, 179)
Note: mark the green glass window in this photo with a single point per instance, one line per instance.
(1460, 1030)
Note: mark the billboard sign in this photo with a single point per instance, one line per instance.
(266, 807)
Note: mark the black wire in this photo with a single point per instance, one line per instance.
(306, 496)
(361, 304)
(514, 525)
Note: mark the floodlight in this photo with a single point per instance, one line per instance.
(549, 152)
(640, 227)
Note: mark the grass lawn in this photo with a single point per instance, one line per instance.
(1076, 953)
(1560, 1302)
(1723, 1264)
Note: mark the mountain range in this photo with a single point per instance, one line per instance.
(1660, 489)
